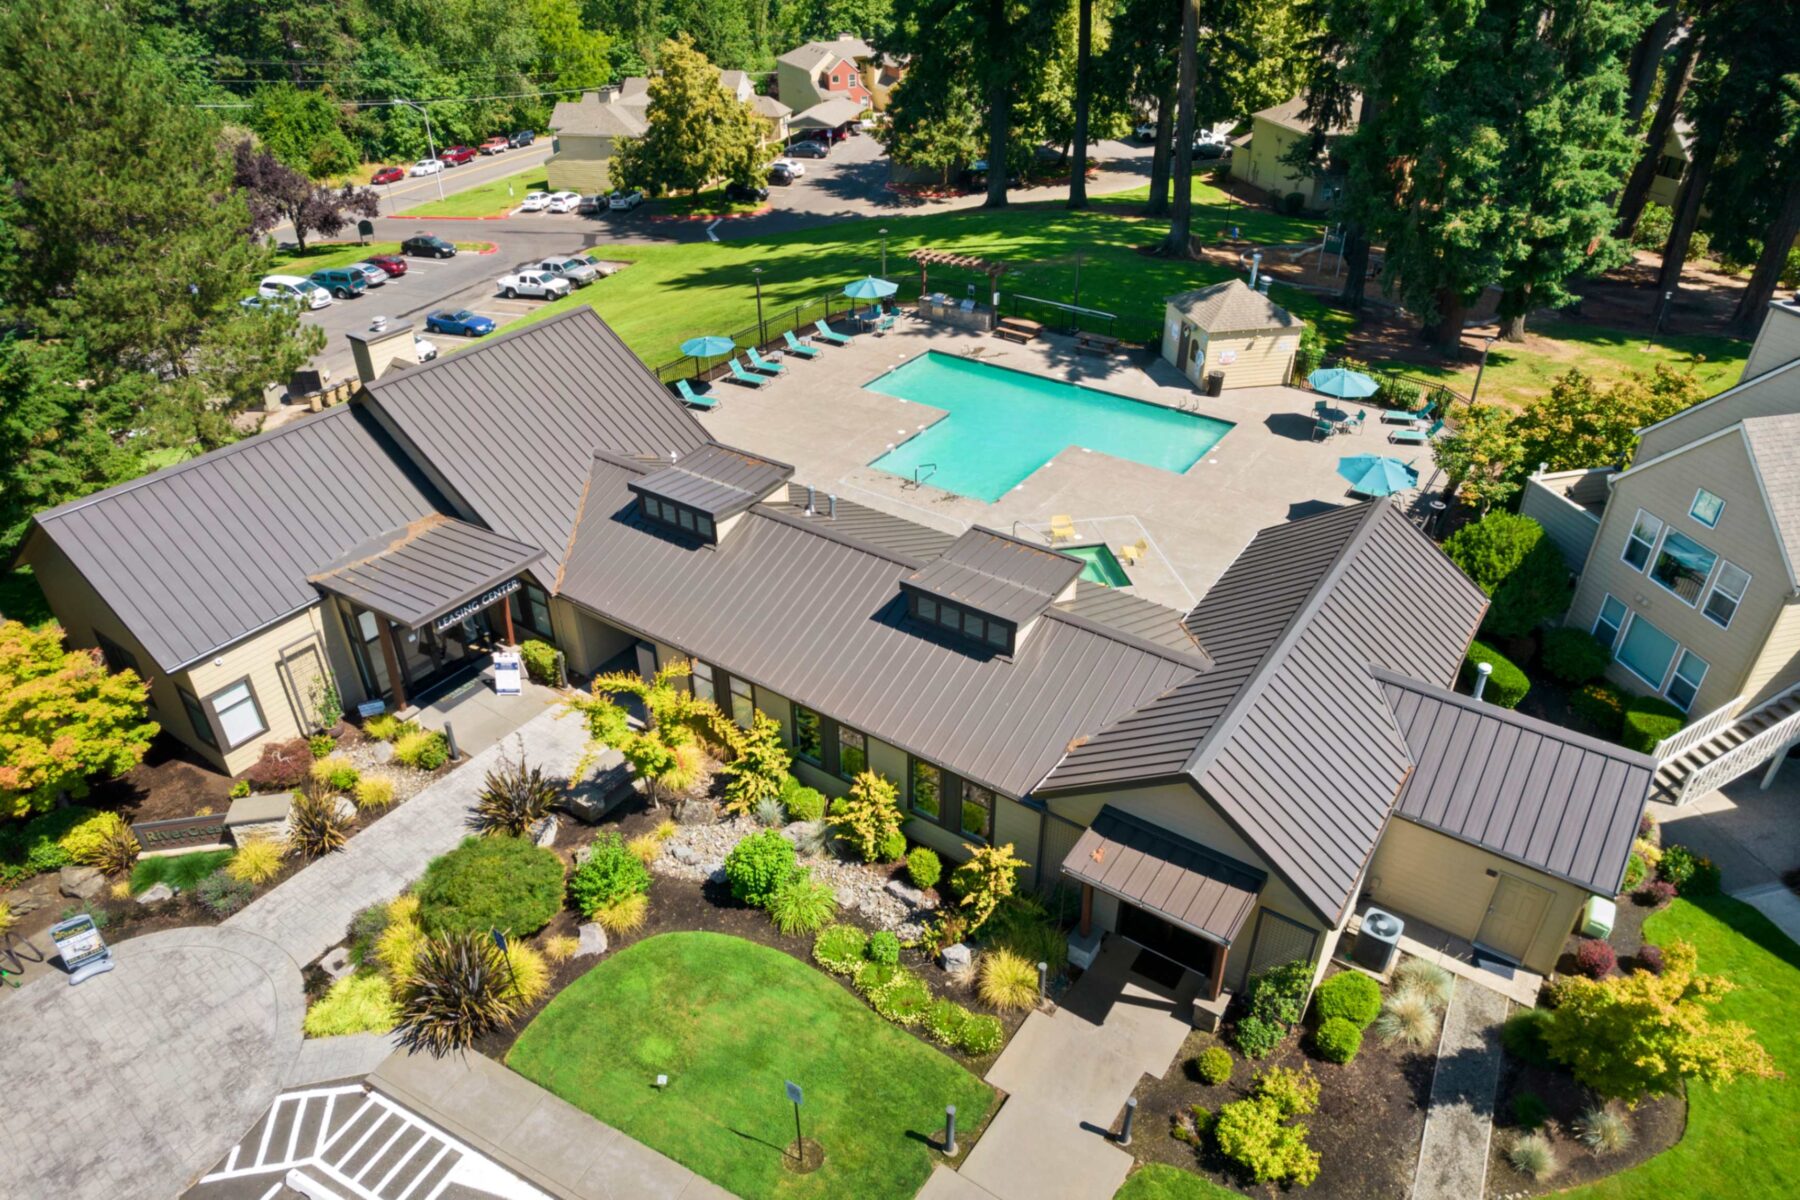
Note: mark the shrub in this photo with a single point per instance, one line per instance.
(924, 867)
(611, 873)
(1656, 893)
(240, 789)
(335, 773)
(422, 749)
(1595, 958)
(1491, 549)
(1648, 720)
(458, 992)
(560, 948)
(1425, 978)
(397, 949)
(1506, 686)
(539, 659)
(1213, 1065)
(840, 948)
(771, 812)
(282, 766)
(1396, 393)
(1255, 1133)
(872, 976)
(529, 976)
(646, 848)
(1023, 925)
(321, 745)
(373, 793)
(1529, 1110)
(1574, 656)
(1350, 995)
(1523, 1036)
(624, 914)
(1644, 848)
(983, 884)
(314, 827)
(1275, 994)
(1408, 1018)
(514, 797)
(1255, 1037)
(1337, 1040)
(1635, 872)
(1531, 1155)
(802, 904)
(386, 727)
(904, 1001)
(981, 1035)
(257, 861)
(36, 845)
(804, 803)
(1603, 1130)
(1007, 981)
(869, 817)
(222, 894)
(359, 1003)
(944, 1022)
(492, 883)
(1653, 226)
(365, 927)
(83, 841)
(1650, 958)
(1692, 874)
(884, 948)
(759, 865)
(892, 847)
(1602, 706)
(118, 853)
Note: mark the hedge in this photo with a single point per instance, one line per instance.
(1648, 720)
(489, 883)
(1506, 686)
(1602, 706)
(1574, 656)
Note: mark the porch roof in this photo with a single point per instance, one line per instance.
(1193, 886)
(418, 572)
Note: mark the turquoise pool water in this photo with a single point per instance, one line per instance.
(1099, 565)
(1005, 424)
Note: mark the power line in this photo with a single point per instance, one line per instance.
(432, 99)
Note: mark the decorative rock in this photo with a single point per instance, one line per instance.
(155, 894)
(591, 939)
(21, 901)
(336, 962)
(696, 812)
(716, 874)
(959, 960)
(382, 752)
(545, 837)
(802, 831)
(905, 893)
(345, 808)
(80, 883)
(848, 897)
(686, 854)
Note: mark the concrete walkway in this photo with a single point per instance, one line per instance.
(1460, 1121)
(1751, 833)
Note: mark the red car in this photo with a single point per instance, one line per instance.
(495, 145)
(456, 156)
(389, 175)
(393, 264)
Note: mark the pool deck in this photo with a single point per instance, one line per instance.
(1266, 471)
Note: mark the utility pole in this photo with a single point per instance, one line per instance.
(430, 144)
(1487, 343)
(762, 334)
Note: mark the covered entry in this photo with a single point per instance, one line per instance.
(1177, 899)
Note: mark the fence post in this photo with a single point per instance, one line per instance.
(950, 1130)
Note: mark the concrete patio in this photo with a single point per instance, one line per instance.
(1421, 939)
(1268, 470)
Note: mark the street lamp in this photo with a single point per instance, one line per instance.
(762, 334)
(884, 253)
(1487, 343)
(430, 145)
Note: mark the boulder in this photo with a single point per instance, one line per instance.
(591, 940)
(906, 893)
(696, 812)
(155, 894)
(345, 808)
(336, 962)
(80, 883)
(381, 753)
(802, 832)
(23, 900)
(686, 855)
(959, 960)
(545, 835)
(849, 898)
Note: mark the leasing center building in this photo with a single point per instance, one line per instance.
(1222, 785)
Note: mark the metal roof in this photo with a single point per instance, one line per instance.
(199, 555)
(828, 114)
(510, 425)
(796, 606)
(419, 572)
(1233, 307)
(717, 480)
(870, 526)
(997, 575)
(1130, 614)
(1288, 735)
(1536, 793)
(1190, 884)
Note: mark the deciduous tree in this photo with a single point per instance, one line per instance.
(1481, 458)
(698, 132)
(1582, 423)
(276, 192)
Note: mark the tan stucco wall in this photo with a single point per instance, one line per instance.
(1744, 536)
(1777, 342)
(258, 659)
(1421, 873)
(1258, 359)
(580, 164)
(1778, 667)
(1756, 397)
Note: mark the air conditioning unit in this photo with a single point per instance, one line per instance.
(1377, 941)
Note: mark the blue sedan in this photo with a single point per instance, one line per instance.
(461, 323)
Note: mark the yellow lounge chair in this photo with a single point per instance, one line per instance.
(1062, 528)
(1129, 555)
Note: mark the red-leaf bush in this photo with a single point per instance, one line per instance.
(1656, 893)
(1595, 958)
(282, 767)
(1650, 958)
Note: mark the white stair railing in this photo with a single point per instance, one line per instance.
(1689, 736)
(1740, 760)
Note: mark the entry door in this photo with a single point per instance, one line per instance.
(1185, 349)
(1515, 913)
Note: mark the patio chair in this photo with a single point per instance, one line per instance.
(1417, 437)
(742, 376)
(1324, 429)
(693, 399)
(885, 324)
(833, 336)
(1321, 407)
(1129, 555)
(771, 366)
(796, 346)
(1062, 528)
(1355, 424)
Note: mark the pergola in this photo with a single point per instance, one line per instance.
(927, 258)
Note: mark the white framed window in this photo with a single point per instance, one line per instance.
(1610, 621)
(239, 716)
(1684, 684)
(1727, 593)
(1706, 508)
(1683, 566)
(743, 702)
(1646, 651)
(703, 681)
(1644, 531)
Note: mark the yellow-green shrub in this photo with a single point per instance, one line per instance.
(336, 772)
(374, 792)
(359, 1003)
(1007, 981)
(83, 842)
(257, 860)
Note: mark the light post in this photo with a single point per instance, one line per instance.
(1487, 343)
(883, 253)
(430, 144)
(762, 334)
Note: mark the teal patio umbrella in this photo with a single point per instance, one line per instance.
(1377, 475)
(1343, 384)
(870, 288)
(709, 346)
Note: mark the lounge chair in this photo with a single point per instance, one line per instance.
(796, 346)
(1397, 416)
(833, 336)
(1416, 437)
(771, 366)
(1129, 555)
(742, 376)
(693, 399)
(1062, 528)
(1324, 429)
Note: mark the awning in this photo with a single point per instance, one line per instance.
(435, 571)
(1182, 881)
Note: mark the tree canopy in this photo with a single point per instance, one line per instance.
(698, 132)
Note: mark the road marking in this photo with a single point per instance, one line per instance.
(711, 236)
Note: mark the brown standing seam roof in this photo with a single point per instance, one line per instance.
(997, 575)
(717, 480)
(418, 573)
(1152, 868)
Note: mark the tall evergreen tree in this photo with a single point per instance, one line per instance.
(1084, 86)
(1677, 74)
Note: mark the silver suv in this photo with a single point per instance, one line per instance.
(578, 271)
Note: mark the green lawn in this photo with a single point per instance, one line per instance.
(710, 202)
(492, 199)
(729, 1022)
(181, 871)
(21, 599)
(1157, 1181)
(1742, 1139)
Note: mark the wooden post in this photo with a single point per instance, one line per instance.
(392, 657)
(506, 617)
(1087, 909)
(1218, 971)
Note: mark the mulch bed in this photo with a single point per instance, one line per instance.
(1367, 1127)
(172, 781)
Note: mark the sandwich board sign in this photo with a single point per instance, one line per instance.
(508, 674)
(84, 952)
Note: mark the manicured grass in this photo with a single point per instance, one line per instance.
(711, 202)
(181, 871)
(1742, 1139)
(21, 599)
(492, 199)
(1158, 1181)
(729, 1022)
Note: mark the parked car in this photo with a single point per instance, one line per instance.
(591, 204)
(540, 285)
(294, 289)
(456, 156)
(459, 322)
(743, 193)
(427, 166)
(1210, 150)
(625, 201)
(563, 202)
(809, 149)
(535, 202)
(792, 166)
(522, 138)
(1144, 131)
(341, 282)
(780, 175)
(388, 175)
(393, 264)
(372, 275)
(496, 145)
(424, 349)
(424, 245)
(578, 271)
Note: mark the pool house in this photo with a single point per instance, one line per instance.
(1225, 787)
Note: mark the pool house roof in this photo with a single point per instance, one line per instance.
(1233, 307)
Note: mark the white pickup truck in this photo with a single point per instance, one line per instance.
(533, 282)
(578, 271)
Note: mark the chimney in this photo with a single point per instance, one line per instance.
(1263, 286)
(1482, 671)
(381, 346)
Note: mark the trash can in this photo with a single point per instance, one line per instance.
(1215, 382)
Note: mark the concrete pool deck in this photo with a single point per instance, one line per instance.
(1268, 470)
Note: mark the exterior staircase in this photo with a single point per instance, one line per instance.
(1725, 745)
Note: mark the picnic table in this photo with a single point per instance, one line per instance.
(1096, 343)
(1018, 329)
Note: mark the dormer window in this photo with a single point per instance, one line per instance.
(680, 518)
(703, 494)
(988, 589)
(991, 632)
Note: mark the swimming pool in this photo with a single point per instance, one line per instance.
(1004, 424)
(1098, 565)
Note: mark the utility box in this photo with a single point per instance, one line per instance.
(1377, 941)
(1597, 917)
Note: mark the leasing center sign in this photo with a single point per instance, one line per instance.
(463, 612)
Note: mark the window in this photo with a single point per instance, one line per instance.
(977, 812)
(674, 516)
(531, 608)
(743, 702)
(926, 790)
(853, 753)
(117, 657)
(1642, 539)
(961, 621)
(1670, 166)
(807, 742)
(1606, 625)
(1707, 508)
(1646, 651)
(1727, 592)
(240, 719)
(703, 681)
(1682, 566)
(1684, 685)
(927, 608)
(197, 717)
